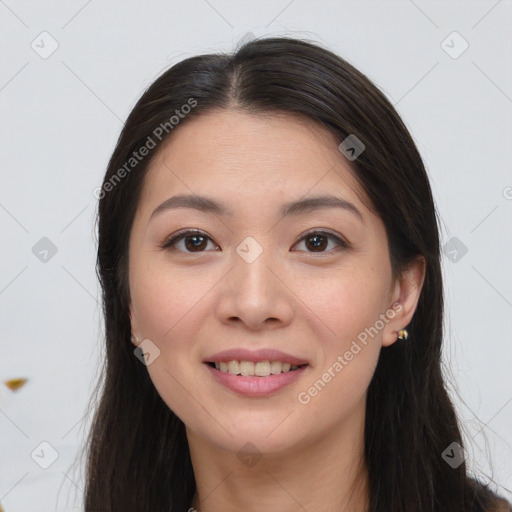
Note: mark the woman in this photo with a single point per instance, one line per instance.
(269, 259)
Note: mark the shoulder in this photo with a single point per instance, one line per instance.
(485, 499)
(500, 505)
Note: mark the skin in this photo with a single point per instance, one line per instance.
(308, 302)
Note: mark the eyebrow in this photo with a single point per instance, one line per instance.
(208, 205)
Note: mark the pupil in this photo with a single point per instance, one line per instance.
(317, 244)
(195, 244)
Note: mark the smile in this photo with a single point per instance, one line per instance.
(253, 385)
(258, 369)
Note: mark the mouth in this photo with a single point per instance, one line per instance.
(262, 369)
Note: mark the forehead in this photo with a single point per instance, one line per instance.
(250, 158)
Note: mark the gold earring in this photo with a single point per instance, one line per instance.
(403, 334)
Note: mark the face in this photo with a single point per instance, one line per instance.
(314, 284)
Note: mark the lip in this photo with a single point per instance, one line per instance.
(256, 386)
(263, 354)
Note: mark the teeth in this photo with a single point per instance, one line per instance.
(275, 367)
(249, 368)
(233, 367)
(246, 368)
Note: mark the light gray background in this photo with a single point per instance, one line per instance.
(61, 116)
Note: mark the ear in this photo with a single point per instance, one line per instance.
(406, 291)
(135, 328)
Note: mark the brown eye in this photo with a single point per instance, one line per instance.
(318, 241)
(193, 241)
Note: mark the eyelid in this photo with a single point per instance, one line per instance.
(340, 241)
(323, 231)
(177, 237)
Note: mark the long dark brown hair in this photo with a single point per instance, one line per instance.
(137, 452)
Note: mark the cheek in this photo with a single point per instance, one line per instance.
(343, 303)
(346, 308)
(345, 311)
(165, 300)
(167, 304)
(171, 305)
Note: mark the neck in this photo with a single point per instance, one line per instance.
(327, 474)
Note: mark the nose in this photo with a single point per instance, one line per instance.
(256, 294)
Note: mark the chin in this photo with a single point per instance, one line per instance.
(262, 438)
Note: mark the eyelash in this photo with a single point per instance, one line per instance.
(342, 244)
